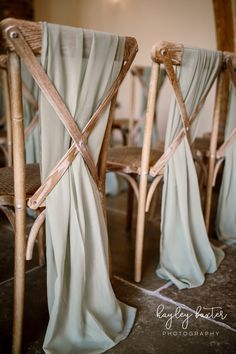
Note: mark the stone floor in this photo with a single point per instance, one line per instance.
(150, 334)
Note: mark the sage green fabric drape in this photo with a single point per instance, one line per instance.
(226, 210)
(85, 316)
(32, 142)
(185, 252)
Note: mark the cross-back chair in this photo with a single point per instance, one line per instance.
(217, 152)
(146, 162)
(23, 40)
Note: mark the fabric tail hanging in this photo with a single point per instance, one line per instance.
(186, 254)
(226, 209)
(85, 316)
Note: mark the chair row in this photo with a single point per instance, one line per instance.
(79, 78)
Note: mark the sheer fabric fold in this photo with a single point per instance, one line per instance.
(85, 316)
(186, 254)
(226, 212)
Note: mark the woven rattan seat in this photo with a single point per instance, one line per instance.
(127, 159)
(7, 180)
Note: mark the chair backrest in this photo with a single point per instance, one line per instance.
(23, 39)
(170, 54)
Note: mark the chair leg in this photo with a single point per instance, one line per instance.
(220, 91)
(20, 198)
(130, 203)
(19, 281)
(209, 193)
(8, 211)
(110, 264)
(152, 213)
(140, 228)
(41, 246)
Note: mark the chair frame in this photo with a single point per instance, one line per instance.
(169, 55)
(22, 40)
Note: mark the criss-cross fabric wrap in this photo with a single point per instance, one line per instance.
(85, 316)
(226, 214)
(186, 254)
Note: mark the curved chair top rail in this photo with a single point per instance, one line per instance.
(230, 60)
(230, 56)
(32, 33)
(175, 52)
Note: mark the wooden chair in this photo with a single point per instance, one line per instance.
(218, 147)
(137, 164)
(22, 40)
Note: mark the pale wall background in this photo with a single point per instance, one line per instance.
(187, 21)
